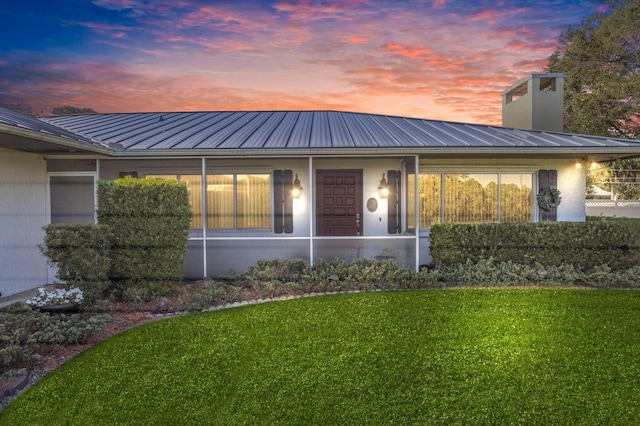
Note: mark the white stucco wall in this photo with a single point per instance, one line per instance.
(22, 216)
(572, 187)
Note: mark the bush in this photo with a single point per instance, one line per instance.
(150, 221)
(26, 334)
(582, 244)
(80, 252)
(81, 255)
(273, 278)
(208, 293)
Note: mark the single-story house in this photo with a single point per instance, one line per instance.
(293, 184)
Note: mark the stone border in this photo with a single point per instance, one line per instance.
(258, 301)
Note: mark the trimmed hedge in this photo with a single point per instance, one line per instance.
(81, 255)
(150, 221)
(80, 252)
(583, 244)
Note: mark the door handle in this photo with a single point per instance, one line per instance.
(358, 224)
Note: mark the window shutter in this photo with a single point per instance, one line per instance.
(278, 202)
(283, 201)
(394, 219)
(288, 201)
(548, 179)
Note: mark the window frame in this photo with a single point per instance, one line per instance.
(456, 171)
(234, 174)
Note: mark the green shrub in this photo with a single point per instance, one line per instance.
(582, 244)
(268, 278)
(26, 334)
(79, 252)
(208, 293)
(150, 221)
(81, 255)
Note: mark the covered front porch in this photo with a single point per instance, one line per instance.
(313, 207)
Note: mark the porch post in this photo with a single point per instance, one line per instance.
(310, 208)
(416, 217)
(204, 216)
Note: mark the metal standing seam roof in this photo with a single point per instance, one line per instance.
(19, 120)
(303, 130)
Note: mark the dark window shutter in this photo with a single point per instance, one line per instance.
(278, 202)
(548, 179)
(283, 201)
(394, 219)
(288, 201)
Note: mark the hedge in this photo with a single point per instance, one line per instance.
(583, 244)
(80, 252)
(150, 221)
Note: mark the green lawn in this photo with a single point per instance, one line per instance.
(472, 356)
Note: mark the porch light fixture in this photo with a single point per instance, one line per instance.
(383, 189)
(581, 163)
(296, 191)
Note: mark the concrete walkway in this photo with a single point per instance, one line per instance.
(19, 297)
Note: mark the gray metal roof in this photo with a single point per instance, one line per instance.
(307, 130)
(23, 121)
(302, 132)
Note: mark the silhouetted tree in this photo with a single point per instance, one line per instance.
(71, 110)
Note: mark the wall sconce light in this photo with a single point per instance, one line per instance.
(296, 191)
(581, 163)
(383, 189)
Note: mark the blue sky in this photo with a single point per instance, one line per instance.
(437, 59)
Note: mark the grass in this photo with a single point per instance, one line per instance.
(473, 356)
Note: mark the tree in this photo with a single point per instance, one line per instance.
(70, 110)
(601, 58)
(22, 109)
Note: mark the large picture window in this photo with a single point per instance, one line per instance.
(239, 201)
(472, 198)
(194, 185)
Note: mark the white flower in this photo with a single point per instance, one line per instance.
(56, 297)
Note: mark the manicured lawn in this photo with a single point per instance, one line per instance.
(473, 356)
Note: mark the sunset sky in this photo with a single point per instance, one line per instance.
(439, 59)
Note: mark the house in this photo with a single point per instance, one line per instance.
(294, 184)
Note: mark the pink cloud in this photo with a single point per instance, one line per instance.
(370, 56)
(356, 39)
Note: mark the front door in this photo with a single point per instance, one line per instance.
(339, 203)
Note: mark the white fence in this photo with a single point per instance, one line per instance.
(613, 208)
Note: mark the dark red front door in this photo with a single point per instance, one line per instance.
(339, 202)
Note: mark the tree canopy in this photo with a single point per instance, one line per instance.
(601, 58)
(70, 110)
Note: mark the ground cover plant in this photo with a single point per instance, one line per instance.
(464, 356)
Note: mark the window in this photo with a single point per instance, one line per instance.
(72, 198)
(472, 198)
(548, 84)
(194, 185)
(239, 201)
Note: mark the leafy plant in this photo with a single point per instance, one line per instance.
(150, 222)
(26, 334)
(57, 296)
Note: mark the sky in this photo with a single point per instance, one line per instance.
(436, 59)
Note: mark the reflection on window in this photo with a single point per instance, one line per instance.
(516, 194)
(194, 185)
(239, 201)
(430, 202)
(473, 198)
